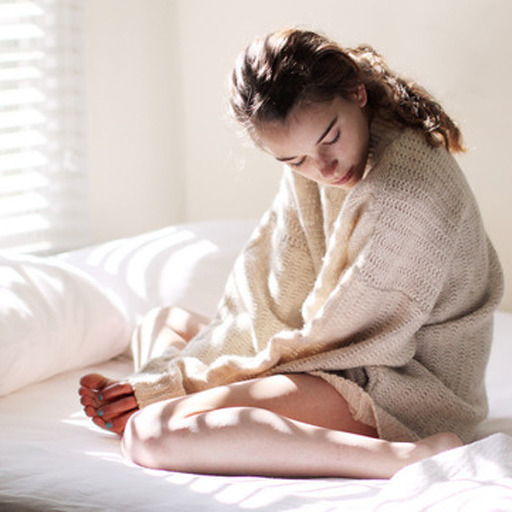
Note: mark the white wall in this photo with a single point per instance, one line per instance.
(134, 116)
(190, 163)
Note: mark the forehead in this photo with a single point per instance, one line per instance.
(301, 130)
(313, 113)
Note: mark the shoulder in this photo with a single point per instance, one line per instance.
(411, 175)
(411, 159)
(422, 205)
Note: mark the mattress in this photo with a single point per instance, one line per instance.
(52, 458)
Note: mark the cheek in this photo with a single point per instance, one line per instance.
(357, 143)
(305, 170)
(346, 149)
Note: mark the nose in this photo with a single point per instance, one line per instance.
(327, 166)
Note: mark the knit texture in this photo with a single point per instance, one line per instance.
(386, 291)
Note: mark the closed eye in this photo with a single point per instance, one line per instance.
(299, 163)
(333, 140)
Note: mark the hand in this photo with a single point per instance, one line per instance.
(108, 402)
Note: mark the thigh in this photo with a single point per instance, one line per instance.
(300, 397)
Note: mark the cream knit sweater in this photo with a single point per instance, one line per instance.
(387, 292)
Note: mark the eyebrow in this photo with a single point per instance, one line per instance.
(331, 124)
(322, 137)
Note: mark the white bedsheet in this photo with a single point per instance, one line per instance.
(52, 458)
(477, 477)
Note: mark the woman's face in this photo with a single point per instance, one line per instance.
(325, 142)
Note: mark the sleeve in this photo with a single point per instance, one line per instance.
(263, 296)
(376, 289)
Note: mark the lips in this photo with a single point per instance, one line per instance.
(346, 178)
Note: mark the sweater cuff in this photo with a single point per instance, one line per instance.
(149, 388)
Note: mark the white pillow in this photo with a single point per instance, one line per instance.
(53, 318)
(183, 265)
(79, 309)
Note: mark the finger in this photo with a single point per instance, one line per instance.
(115, 425)
(90, 411)
(91, 397)
(115, 390)
(85, 391)
(89, 401)
(95, 381)
(117, 408)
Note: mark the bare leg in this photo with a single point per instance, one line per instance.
(294, 425)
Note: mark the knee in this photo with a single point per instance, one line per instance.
(137, 444)
(152, 441)
(142, 438)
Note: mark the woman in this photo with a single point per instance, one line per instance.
(354, 332)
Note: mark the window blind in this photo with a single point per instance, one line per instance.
(43, 182)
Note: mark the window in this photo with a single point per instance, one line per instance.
(43, 185)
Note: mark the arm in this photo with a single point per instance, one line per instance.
(254, 307)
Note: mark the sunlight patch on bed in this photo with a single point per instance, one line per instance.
(111, 457)
(79, 419)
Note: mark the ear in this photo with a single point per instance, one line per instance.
(361, 96)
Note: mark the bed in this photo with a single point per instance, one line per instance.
(73, 313)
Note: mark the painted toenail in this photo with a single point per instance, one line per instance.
(100, 412)
(109, 424)
(100, 397)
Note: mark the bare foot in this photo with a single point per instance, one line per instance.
(439, 443)
(409, 453)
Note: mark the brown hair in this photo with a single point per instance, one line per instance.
(286, 68)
